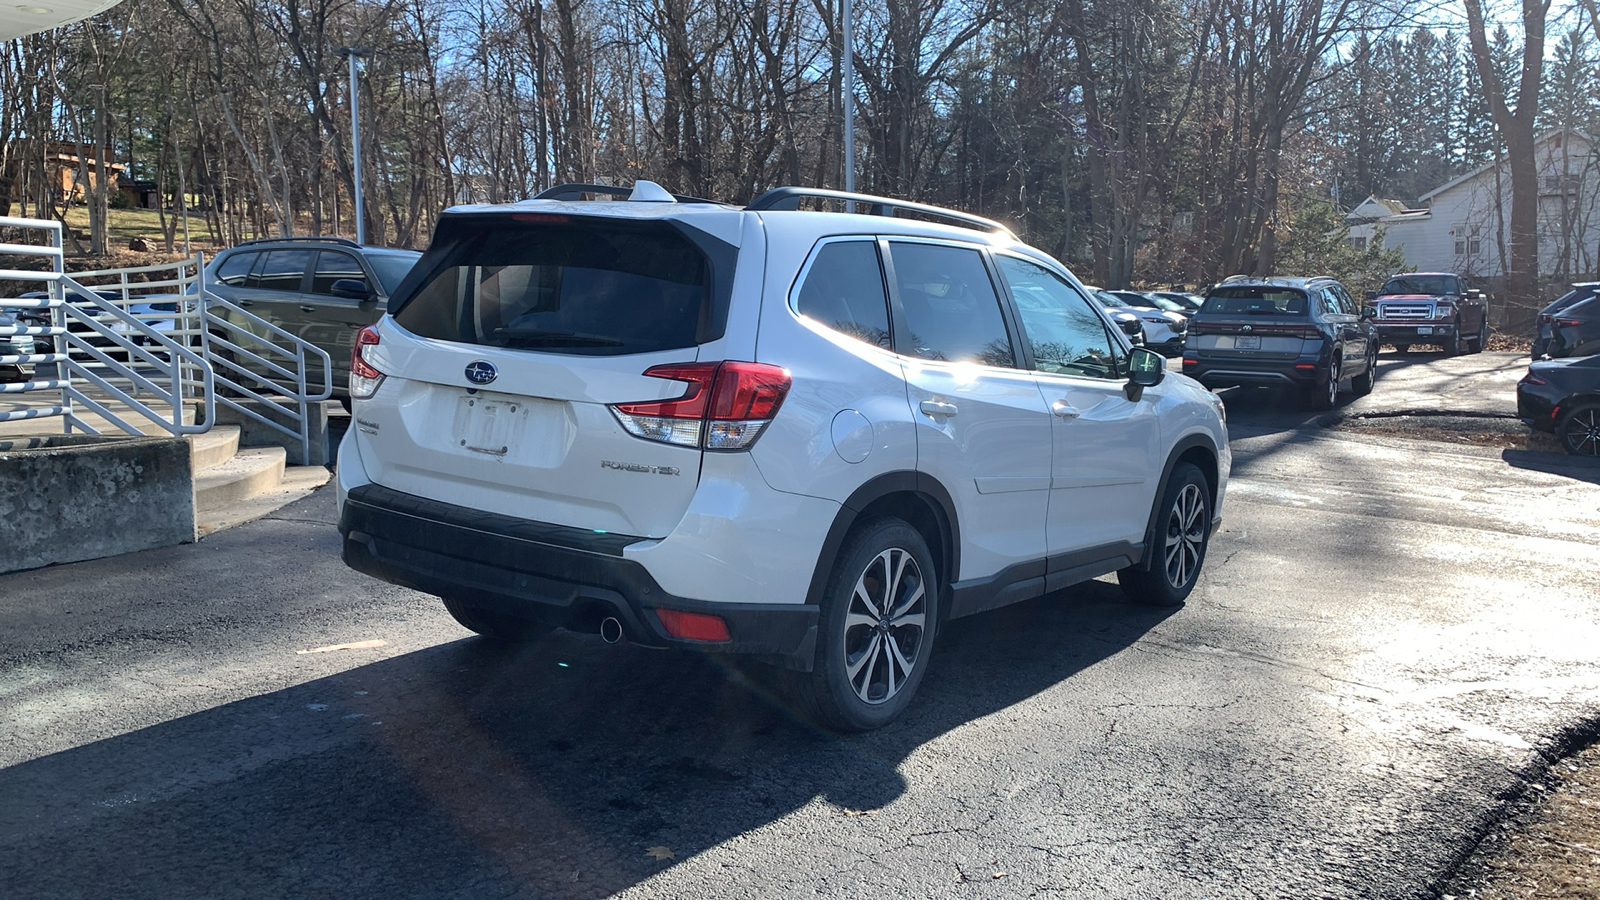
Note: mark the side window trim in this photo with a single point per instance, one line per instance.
(897, 314)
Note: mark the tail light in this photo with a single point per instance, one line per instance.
(1568, 323)
(1531, 378)
(364, 378)
(726, 407)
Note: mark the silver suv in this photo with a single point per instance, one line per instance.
(806, 435)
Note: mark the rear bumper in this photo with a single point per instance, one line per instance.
(549, 573)
(1244, 372)
(1535, 410)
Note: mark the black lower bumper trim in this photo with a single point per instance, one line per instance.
(536, 571)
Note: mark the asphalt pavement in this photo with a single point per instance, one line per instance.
(1389, 638)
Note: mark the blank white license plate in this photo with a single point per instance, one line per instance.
(1425, 329)
(1247, 342)
(488, 426)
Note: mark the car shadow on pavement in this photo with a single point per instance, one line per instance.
(560, 768)
(1575, 467)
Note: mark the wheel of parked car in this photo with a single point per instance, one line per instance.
(1580, 430)
(496, 626)
(1482, 339)
(1362, 384)
(1325, 396)
(1452, 345)
(1178, 545)
(875, 631)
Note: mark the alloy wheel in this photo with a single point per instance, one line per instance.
(1333, 385)
(884, 626)
(1186, 535)
(1581, 434)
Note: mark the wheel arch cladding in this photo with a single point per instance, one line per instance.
(917, 499)
(1197, 450)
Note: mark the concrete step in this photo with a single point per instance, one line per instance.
(298, 481)
(214, 447)
(254, 471)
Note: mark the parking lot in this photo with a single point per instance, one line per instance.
(1390, 636)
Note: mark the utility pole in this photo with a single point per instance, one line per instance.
(351, 53)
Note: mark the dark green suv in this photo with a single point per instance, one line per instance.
(322, 290)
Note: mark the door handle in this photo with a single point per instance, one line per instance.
(246, 302)
(938, 408)
(1064, 409)
(305, 308)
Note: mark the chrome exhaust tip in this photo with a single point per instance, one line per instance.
(610, 630)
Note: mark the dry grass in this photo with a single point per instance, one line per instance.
(1555, 855)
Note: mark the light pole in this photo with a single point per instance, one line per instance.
(849, 105)
(351, 53)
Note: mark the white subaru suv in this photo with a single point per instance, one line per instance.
(807, 435)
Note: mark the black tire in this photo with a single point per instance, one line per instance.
(1325, 396)
(1402, 349)
(1579, 430)
(496, 626)
(1452, 346)
(1361, 385)
(1482, 340)
(1177, 548)
(853, 685)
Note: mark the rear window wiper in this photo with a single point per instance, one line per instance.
(518, 337)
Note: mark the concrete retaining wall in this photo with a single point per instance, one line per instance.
(65, 498)
(254, 434)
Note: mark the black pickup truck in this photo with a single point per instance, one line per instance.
(1438, 308)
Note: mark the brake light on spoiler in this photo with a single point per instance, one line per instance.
(726, 406)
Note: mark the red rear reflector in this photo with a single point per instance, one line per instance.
(552, 218)
(1306, 366)
(693, 626)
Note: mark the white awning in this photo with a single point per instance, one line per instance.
(29, 16)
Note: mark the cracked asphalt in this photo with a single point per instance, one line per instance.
(1389, 637)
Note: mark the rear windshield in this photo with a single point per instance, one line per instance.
(1420, 284)
(1256, 301)
(597, 288)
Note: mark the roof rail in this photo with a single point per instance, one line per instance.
(327, 239)
(301, 237)
(576, 191)
(790, 197)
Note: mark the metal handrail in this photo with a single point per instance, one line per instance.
(219, 332)
(163, 368)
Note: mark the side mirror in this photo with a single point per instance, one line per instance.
(1372, 295)
(353, 288)
(1146, 368)
(1369, 312)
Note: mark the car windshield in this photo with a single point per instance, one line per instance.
(391, 268)
(1420, 284)
(1256, 301)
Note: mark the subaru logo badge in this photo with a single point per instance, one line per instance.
(481, 371)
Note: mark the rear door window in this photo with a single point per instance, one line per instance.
(843, 289)
(283, 270)
(603, 288)
(951, 309)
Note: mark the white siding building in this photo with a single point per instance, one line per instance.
(1464, 225)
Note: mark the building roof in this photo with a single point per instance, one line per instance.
(1538, 142)
(43, 15)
